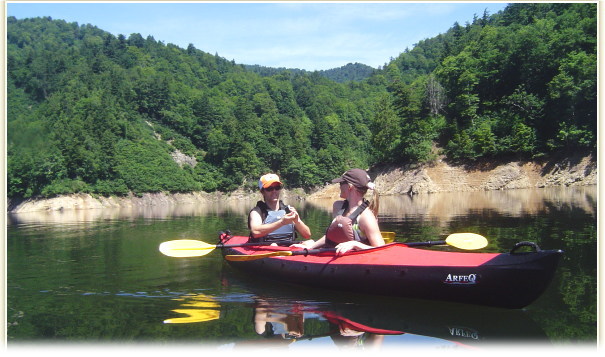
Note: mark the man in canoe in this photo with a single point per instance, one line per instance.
(354, 227)
(271, 220)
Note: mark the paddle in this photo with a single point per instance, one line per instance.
(282, 253)
(388, 237)
(467, 241)
(184, 248)
(187, 248)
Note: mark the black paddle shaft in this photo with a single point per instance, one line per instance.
(253, 244)
(426, 244)
(306, 251)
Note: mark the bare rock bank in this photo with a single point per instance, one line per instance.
(440, 176)
(431, 178)
(82, 201)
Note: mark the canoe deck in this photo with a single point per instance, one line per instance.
(509, 280)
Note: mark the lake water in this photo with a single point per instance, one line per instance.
(97, 277)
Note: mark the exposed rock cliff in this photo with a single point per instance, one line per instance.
(483, 176)
(436, 177)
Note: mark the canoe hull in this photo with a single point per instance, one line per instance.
(492, 279)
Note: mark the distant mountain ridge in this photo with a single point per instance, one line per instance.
(355, 72)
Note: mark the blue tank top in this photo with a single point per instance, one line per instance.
(282, 234)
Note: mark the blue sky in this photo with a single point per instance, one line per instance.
(306, 35)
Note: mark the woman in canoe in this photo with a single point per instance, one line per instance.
(355, 225)
(271, 220)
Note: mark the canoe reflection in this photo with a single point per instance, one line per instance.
(462, 325)
(458, 324)
(277, 316)
(354, 334)
(280, 323)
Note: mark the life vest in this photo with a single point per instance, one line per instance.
(345, 228)
(284, 233)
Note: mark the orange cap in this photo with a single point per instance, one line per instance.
(267, 180)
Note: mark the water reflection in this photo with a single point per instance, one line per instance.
(287, 315)
(279, 323)
(447, 205)
(127, 213)
(105, 265)
(197, 308)
(442, 206)
(452, 322)
(276, 325)
(351, 334)
(270, 321)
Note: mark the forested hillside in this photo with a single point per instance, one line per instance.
(92, 112)
(350, 72)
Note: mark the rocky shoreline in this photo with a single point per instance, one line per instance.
(439, 176)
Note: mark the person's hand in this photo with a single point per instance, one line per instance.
(344, 247)
(290, 218)
(293, 210)
(306, 244)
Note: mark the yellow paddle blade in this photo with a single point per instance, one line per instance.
(467, 241)
(198, 308)
(182, 248)
(245, 258)
(388, 237)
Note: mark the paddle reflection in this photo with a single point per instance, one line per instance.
(197, 308)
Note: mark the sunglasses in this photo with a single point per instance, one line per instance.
(270, 189)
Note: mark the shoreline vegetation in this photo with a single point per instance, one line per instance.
(93, 112)
(116, 142)
(438, 176)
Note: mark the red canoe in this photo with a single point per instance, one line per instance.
(509, 280)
